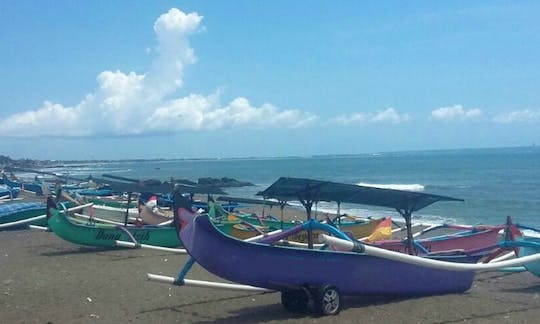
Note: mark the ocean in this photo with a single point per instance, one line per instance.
(494, 183)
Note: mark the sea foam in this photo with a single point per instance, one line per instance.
(406, 187)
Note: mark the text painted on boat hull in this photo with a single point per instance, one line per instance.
(114, 236)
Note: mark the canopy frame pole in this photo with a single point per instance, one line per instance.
(407, 214)
(339, 212)
(282, 204)
(310, 193)
(126, 218)
(308, 204)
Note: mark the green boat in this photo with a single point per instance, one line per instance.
(106, 235)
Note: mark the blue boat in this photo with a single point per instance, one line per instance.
(9, 192)
(34, 187)
(14, 212)
(95, 192)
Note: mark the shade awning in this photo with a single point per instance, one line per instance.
(301, 189)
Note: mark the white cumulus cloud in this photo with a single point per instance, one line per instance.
(389, 115)
(197, 112)
(519, 116)
(139, 103)
(456, 112)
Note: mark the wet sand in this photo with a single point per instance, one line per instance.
(47, 280)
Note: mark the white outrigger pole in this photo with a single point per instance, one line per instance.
(411, 259)
(181, 281)
(150, 247)
(205, 284)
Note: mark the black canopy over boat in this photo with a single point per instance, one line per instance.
(308, 191)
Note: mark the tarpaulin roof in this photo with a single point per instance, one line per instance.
(300, 189)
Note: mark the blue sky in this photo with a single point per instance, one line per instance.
(191, 79)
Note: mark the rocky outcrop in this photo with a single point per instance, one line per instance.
(223, 182)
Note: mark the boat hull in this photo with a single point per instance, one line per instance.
(286, 268)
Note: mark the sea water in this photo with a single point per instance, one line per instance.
(493, 183)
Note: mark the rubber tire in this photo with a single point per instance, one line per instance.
(294, 301)
(327, 301)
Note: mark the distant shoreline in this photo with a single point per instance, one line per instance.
(6, 161)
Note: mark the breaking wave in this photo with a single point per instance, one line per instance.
(406, 187)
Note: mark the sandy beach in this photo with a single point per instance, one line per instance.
(427, 112)
(47, 280)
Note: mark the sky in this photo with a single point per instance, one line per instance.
(216, 79)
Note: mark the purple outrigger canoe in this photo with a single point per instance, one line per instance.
(288, 268)
(324, 275)
(314, 274)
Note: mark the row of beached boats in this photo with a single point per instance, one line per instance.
(315, 261)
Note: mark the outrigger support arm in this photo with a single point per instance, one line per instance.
(128, 233)
(182, 274)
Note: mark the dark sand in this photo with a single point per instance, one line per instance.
(44, 279)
